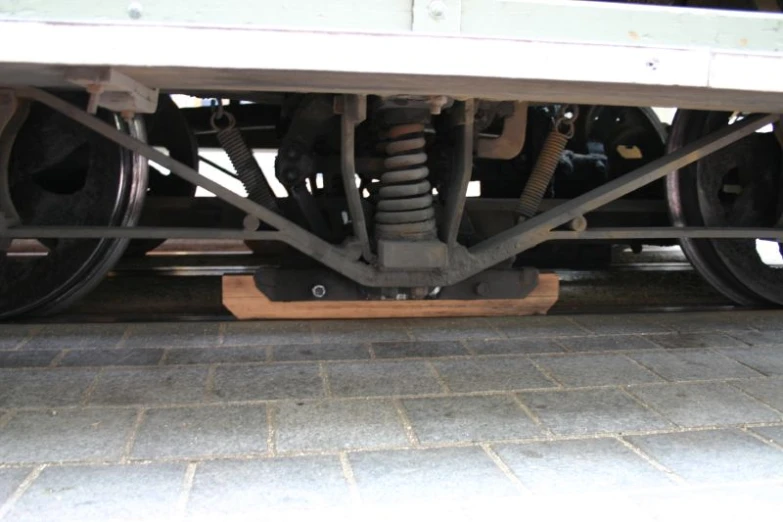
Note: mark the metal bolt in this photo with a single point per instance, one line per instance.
(578, 224)
(134, 10)
(251, 223)
(437, 9)
(319, 291)
(437, 103)
(481, 289)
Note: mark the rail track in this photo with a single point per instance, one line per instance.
(178, 283)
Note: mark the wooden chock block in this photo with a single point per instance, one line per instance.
(245, 301)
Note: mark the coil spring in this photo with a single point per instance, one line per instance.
(245, 165)
(546, 164)
(404, 209)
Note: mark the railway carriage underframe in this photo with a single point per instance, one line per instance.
(377, 183)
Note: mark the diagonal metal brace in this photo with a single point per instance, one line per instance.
(537, 229)
(291, 234)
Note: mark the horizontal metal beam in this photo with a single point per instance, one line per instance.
(650, 206)
(48, 232)
(772, 234)
(51, 232)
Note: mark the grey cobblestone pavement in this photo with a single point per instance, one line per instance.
(632, 417)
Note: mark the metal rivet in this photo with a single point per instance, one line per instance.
(437, 9)
(134, 10)
(319, 291)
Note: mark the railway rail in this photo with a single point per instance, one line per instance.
(179, 283)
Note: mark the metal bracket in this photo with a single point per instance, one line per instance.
(8, 105)
(437, 16)
(509, 144)
(319, 284)
(353, 110)
(412, 255)
(5, 242)
(463, 170)
(115, 91)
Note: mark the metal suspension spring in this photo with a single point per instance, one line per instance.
(404, 209)
(546, 164)
(245, 164)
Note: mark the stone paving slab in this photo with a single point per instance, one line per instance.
(255, 383)
(693, 365)
(10, 479)
(693, 405)
(453, 419)
(492, 373)
(428, 349)
(257, 489)
(44, 387)
(764, 359)
(93, 493)
(101, 357)
(321, 352)
(768, 391)
(430, 475)
(67, 336)
(596, 370)
(470, 419)
(772, 433)
(149, 386)
(580, 466)
(592, 412)
(514, 346)
(606, 343)
(713, 456)
(389, 378)
(337, 425)
(211, 431)
(716, 504)
(65, 435)
(27, 359)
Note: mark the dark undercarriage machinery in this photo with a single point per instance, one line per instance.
(388, 185)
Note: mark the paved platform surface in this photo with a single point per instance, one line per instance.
(629, 417)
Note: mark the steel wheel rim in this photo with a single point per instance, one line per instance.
(97, 257)
(717, 261)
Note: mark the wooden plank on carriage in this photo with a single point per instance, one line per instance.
(243, 299)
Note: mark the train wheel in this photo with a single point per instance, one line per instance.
(738, 186)
(167, 129)
(54, 172)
